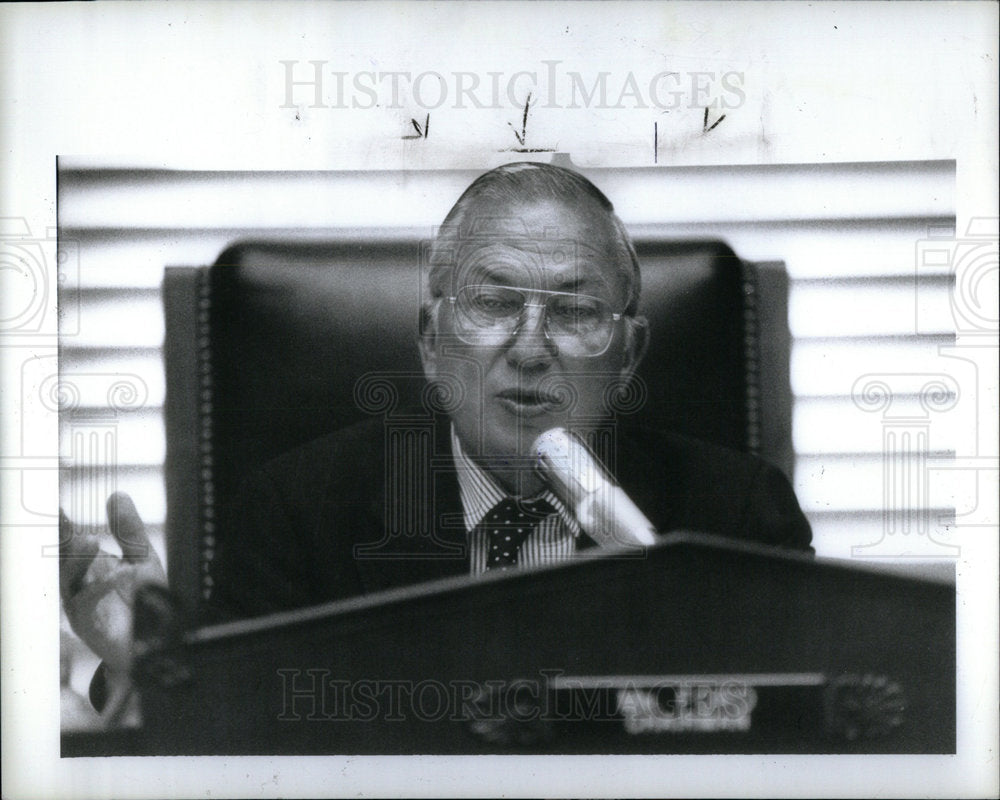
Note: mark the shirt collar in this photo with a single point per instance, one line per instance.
(480, 491)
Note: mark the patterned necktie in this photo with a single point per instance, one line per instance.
(507, 525)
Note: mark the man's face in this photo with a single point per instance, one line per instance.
(525, 358)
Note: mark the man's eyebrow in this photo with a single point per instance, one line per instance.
(496, 274)
(514, 275)
(571, 283)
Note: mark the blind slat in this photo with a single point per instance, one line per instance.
(835, 308)
(864, 431)
(134, 257)
(84, 489)
(830, 366)
(139, 436)
(138, 198)
(833, 483)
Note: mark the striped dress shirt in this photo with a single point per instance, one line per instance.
(553, 540)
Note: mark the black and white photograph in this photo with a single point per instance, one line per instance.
(469, 399)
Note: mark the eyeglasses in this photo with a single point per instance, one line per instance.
(489, 315)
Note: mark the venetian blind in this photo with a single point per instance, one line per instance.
(866, 313)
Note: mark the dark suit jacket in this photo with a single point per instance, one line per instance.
(320, 524)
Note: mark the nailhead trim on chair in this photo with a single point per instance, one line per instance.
(206, 464)
(751, 353)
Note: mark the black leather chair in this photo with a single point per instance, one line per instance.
(282, 341)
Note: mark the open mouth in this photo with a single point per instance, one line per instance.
(527, 402)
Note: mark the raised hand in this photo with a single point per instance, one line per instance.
(98, 588)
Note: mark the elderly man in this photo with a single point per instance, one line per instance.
(530, 323)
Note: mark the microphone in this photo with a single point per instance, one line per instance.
(579, 480)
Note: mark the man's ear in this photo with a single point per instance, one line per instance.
(427, 344)
(636, 341)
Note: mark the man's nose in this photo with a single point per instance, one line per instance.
(529, 344)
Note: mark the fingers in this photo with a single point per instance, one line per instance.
(76, 552)
(127, 528)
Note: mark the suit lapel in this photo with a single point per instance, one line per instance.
(438, 547)
(646, 477)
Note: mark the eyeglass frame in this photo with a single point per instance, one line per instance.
(616, 316)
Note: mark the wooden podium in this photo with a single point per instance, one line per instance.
(694, 646)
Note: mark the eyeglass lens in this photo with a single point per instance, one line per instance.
(577, 322)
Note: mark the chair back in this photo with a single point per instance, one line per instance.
(280, 342)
